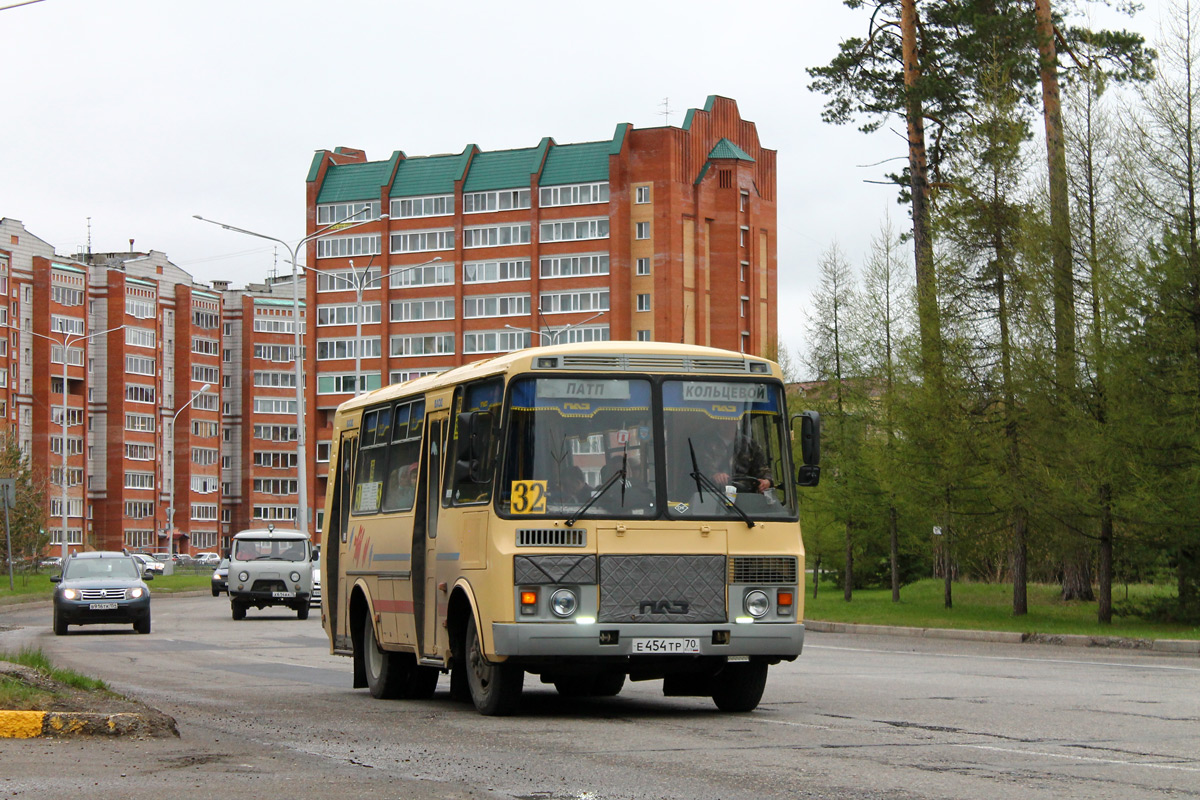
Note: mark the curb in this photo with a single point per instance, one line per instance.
(33, 724)
(1183, 646)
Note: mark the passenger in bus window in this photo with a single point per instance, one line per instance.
(402, 487)
(573, 487)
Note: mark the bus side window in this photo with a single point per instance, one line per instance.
(471, 467)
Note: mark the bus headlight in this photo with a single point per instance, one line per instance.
(757, 604)
(563, 603)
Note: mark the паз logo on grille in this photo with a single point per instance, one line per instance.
(663, 607)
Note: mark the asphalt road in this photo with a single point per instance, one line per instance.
(264, 711)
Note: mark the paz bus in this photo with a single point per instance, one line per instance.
(587, 513)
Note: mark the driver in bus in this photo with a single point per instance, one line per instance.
(730, 455)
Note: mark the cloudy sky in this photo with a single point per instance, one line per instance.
(137, 114)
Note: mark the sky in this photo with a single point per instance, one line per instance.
(127, 117)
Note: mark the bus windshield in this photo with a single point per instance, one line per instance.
(573, 441)
(570, 437)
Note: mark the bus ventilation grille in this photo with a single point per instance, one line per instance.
(763, 570)
(551, 537)
(627, 362)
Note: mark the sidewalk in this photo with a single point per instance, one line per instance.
(1185, 646)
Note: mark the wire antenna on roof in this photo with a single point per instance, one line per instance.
(274, 264)
(666, 111)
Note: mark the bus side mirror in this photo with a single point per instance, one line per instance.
(810, 448)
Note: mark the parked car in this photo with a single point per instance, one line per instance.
(314, 599)
(207, 559)
(52, 561)
(149, 563)
(102, 587)
(220, 578)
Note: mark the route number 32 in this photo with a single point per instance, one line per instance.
(529, 497)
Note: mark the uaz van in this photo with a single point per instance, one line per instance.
(269, 567)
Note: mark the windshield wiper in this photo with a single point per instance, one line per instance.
(618, 475)
(702, 479)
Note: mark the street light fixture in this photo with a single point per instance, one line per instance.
(66, 343)
(171, 493)
(553, 334)
(301, 465)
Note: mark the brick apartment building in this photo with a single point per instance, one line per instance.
(664, 234)
(180, 399)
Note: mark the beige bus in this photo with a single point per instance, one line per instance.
(586, 513)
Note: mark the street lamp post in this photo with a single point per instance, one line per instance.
(171, 492)
(359, 284)
(66, 342)
(301, 465)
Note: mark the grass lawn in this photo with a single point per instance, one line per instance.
(34, 586)
(17, 694)
(984, 606)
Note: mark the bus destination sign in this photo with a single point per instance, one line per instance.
(713, 392)
(579, 389)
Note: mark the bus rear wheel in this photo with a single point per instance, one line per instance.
(495, 687)
(740, 686)
(385, 671)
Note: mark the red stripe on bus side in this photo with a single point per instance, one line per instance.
(394, 606)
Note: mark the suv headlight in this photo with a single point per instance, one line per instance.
(70, 594)
(136, 592)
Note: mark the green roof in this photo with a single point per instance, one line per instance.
(691, 112)
(426, 175)
(270, 301)
(576, 163)
(503, 169)
(346, 183)
(727, 149)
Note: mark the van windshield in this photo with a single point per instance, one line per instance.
(270, 550)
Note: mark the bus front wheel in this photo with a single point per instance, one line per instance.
(495, 687)
(739, 687)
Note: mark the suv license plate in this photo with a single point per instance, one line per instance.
(102, 607)
(667, 646)
(283, 594)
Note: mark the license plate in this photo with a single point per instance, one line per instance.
(283, 594)
(102, 607)
(666, 646)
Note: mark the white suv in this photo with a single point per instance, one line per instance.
(268, 567)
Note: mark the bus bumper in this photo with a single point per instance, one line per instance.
(604, 639)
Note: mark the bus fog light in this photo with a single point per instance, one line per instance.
(563, 603)
(757, 604)
(529, 601)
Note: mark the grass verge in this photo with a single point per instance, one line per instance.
(22, 695)
(37, 585)
(985, 606)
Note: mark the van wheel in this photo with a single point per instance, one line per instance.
(238, 609)
(302, 612)
(495, 688)
(740, 686)
(386, 673)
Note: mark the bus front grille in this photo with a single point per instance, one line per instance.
(764, 570)
(662, 588)
(551, 537)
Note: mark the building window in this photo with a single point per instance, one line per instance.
(642, 230)
(643, 336)
(496, 235)
(566, 302)
(420, 310)
(573, 266)
(348, 314)
(434, 344)
(139, 337)
(323, 449)
(643, 302)
(642, 195)
(574, 230)
(331, 213)
(573, 195)
(496, 306)
(422, 241)
(61, 324)
(427, 275)
(579, 333)
(643, 266)
(363, 244)
(495, 341)
(742, 269)
(139, 480)
(743, 236)
(745, 201)
(496, 271)
(205, 347)
(345, 384)
(480, 202)
(433, 206)
(331, 349)
(744, 307)
(274, 405)
(139, 365)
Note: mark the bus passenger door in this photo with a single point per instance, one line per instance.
(435, 610)
(338, 538)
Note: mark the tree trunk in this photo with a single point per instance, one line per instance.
(848, 580)
(1105, 576)
(1077, 576)
(894, 538)
(1060, 213)
(816, 577)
